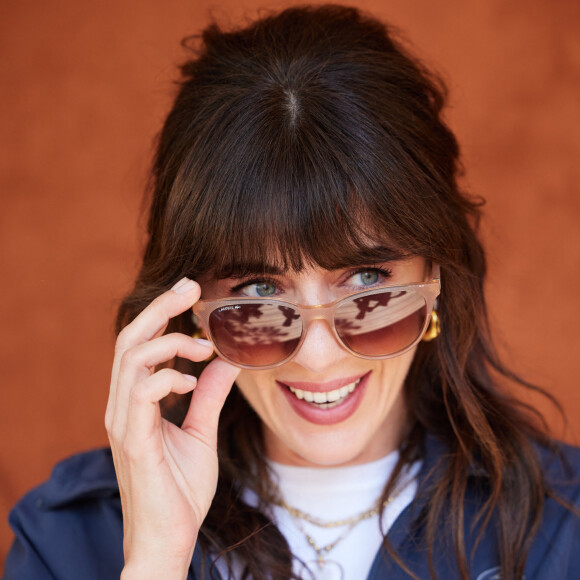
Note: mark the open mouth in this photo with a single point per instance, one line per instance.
(327, 400)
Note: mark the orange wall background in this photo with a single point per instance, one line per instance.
(83, 90)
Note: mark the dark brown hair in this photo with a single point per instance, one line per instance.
(298, 139)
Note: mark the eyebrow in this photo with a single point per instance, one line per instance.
(248, 269)
(359, 257)
(374, 254)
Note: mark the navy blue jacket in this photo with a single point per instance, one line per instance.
(71, 528)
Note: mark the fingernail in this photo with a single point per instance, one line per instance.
(190, 378)
(204, 342)
(183, 286)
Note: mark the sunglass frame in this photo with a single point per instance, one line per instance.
(429, 290)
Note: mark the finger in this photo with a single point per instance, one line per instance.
(213, 386)
(151, 322)
(138, 363)
(143, 415)
(154, 318)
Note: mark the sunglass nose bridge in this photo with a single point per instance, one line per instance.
(323, 314)
(318, 312)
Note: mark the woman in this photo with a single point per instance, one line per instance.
(305, 187)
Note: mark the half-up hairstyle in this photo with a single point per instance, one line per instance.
(306, 134)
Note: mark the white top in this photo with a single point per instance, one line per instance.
(332, 494)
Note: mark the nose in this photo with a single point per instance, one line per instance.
(320, 350)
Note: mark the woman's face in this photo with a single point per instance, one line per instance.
(369, 418)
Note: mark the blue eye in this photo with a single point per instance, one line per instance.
(368, 277)
(257, 289)
(265, 289)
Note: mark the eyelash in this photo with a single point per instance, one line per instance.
(386, 273)
(250, 281)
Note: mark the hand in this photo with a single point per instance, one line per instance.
(167, 475)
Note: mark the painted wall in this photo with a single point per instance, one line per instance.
(83, 90)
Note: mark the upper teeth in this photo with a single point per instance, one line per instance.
(329, 397)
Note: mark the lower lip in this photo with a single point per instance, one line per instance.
(328, 416)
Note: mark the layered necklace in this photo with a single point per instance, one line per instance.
(322, 566)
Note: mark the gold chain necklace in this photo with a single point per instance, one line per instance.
(350, 523)
(322, 551)
(296, 513)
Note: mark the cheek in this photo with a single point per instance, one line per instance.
(253, 386)
(392, 374)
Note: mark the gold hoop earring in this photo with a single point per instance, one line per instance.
(434, 329)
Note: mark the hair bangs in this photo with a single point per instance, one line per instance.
(290, 205)
(305, 192)
(292, 238)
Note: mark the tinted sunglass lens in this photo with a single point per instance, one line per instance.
(256, 334)
(381, 324)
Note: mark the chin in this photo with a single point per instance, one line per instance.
(334, 448)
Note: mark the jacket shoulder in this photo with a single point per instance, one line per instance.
(555, 551)
(561, 467)
(86, 475)
(71, 525)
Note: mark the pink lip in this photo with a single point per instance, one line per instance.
(321, 387)
(326, 416)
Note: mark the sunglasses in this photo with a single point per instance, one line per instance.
(263, 333)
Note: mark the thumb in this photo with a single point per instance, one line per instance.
(207, 401)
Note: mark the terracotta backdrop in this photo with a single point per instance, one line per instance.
(83, 90)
